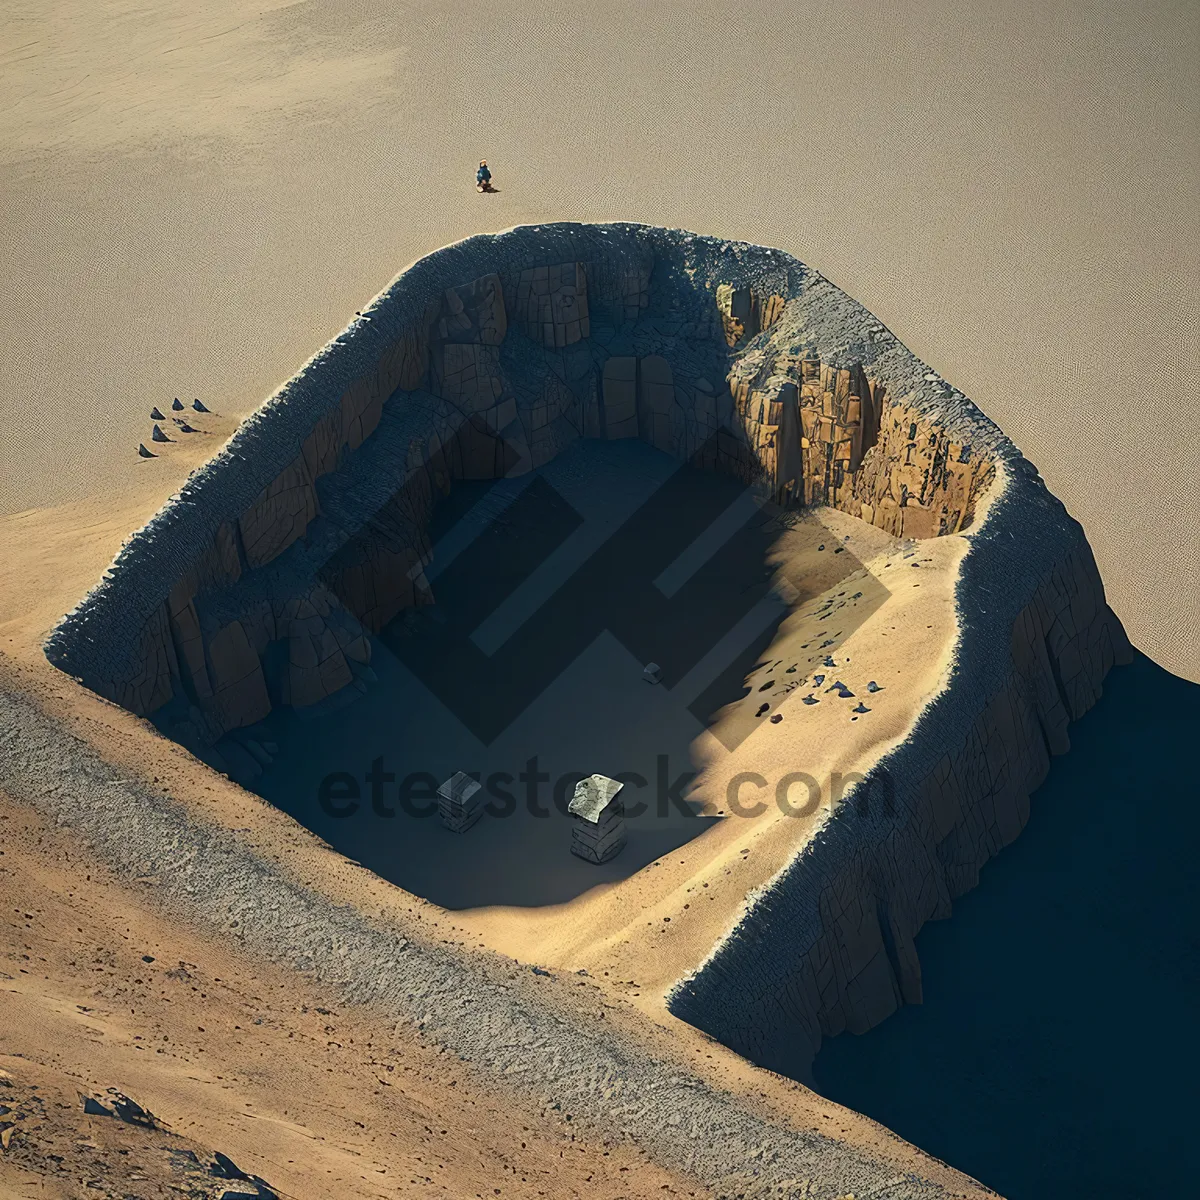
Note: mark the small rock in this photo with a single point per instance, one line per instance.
(811, 699)
(177, 405)
(93, 1107)
(861, 708)
(652, 673)
(155, 415)
(130, 1111)
(874, 687)
(223, 1167)
(762, 709)
(144, 452)
(158, 435)
(199, 406)
(776, 718)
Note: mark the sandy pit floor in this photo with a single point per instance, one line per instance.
(527, 672)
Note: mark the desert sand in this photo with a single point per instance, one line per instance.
(196, 197)
(289, 1083)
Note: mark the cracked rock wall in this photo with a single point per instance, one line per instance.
(262, 582)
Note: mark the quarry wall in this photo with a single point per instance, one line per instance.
(829, 944)
(263, 580)
(260, 583)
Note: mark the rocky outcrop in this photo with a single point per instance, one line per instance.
(487, 360)
(261, 583)
(829, 945)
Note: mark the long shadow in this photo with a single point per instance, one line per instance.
(527, 671)
(1057, 1051)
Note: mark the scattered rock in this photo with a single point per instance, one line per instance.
(223, 1167)
(177, 405)
(860, 708)
(762, 709)
(874, 687)
(811, 699)
(199, 406)
(130, 1111)
(158, 435)
(652, 673)
(155, 415)
(94, 1108)
(776, 718)
(144, 452)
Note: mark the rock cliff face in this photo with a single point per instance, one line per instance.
(261, 582)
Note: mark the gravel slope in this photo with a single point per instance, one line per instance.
(508, 1023)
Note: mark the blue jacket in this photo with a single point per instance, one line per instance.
(482, 175)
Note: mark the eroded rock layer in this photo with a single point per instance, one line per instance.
(259, 583)
(262, 582)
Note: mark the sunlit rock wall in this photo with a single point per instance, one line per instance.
(260, 583)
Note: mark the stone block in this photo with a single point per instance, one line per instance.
(598, 819)
(460, 802)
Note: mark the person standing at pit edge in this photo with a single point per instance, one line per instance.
(483, 177)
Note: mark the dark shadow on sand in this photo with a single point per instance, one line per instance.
(547, 609)
(1057, 1051)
